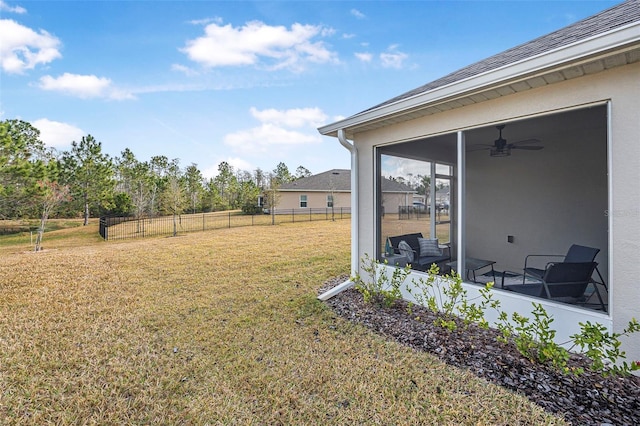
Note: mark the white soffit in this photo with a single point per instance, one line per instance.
(589, 56)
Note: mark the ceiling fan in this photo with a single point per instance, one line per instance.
(501, 148)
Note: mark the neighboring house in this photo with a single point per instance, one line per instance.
(333, 189)
(574, 92)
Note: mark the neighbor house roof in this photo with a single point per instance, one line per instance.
(608, 39)
(337, 180)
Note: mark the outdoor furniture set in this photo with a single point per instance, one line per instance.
(566, 280)
(418, 251)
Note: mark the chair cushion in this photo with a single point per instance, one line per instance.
(429, 247)
(406, 250)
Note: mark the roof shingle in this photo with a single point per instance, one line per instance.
(607, 20)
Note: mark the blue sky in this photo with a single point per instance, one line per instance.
(239, 81)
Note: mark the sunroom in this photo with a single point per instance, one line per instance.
(537, 148)
(532, 186)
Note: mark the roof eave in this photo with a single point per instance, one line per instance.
(609, 42)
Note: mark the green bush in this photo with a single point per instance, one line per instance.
(534, 338)
(603, 348)
(251, 209)
(379, 288)
(448, 297)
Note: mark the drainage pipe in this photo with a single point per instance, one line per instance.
(354, 219)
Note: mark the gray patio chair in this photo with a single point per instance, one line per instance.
(562, 281)
(575, 254)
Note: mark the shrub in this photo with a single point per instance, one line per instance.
(603, 348)
(534, 338)
(379, 288)
(251, 209)
(448, 297)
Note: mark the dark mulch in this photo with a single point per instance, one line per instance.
(587, 399)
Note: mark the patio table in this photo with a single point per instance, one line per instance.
(472, 265)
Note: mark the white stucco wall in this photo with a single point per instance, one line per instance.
(620, 86)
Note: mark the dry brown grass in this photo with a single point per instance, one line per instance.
(221, 327)
(59, 234)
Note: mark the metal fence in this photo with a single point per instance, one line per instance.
(17, 229)
(116, 228)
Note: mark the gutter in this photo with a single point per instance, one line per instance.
(354, 219)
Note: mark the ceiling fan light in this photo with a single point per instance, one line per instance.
(505, 152)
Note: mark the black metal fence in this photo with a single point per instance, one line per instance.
(418, 212)
(115, 228)
(411, 212)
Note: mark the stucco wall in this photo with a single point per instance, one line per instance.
(315, 200)
(391, 201)
(619, 85)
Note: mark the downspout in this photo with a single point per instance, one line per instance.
(354, 219)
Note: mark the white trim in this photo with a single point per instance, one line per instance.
(611, 247)
(432, 202)
(461, 200)
(355, 244)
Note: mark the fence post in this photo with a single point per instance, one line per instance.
(229, 219)
(203, 221)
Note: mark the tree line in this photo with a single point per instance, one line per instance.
(41, 182)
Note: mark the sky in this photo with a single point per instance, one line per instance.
(246, 82)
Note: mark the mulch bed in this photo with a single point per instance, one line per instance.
(586, 399)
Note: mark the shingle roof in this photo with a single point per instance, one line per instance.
(607, 20)
(338, 180)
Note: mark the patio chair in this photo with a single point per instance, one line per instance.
(575, 254)
(562, 281)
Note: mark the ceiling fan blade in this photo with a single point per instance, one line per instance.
(478, 147)
(527, 147)
(525, 142)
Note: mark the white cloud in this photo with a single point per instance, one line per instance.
(392, 58)
(57, 134)
(279, 130)
(84, 86)
(206, 21)
(189, 72)
(299, 117)
(4, 7)
(266, 137)
(22, 48)
(364, 56)
(258, 44)
(358, 14)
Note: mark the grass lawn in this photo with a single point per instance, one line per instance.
(218, 327)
